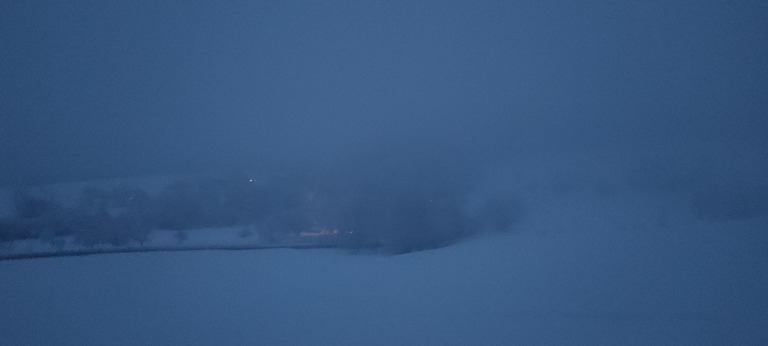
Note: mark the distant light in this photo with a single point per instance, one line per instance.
(250, 180)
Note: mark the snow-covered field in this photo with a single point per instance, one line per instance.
(234, 238)
(581, 268)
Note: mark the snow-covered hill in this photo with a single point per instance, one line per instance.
(699, 283)
(585, 260)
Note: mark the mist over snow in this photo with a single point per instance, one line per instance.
(595, 286)
(493, 172)
(583, 261)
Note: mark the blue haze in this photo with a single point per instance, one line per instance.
(621, 146)
(670, 93)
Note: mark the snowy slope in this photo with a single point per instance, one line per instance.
(558, 287)
(591, 264)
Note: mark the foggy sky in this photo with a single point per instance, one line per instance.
(667, 93)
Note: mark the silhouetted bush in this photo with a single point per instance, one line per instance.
(115, 216)
(390, 209)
